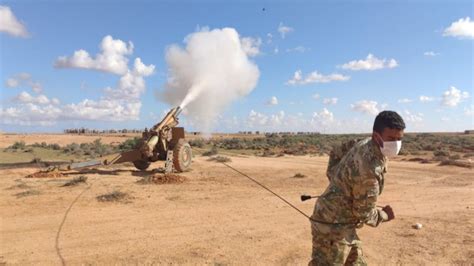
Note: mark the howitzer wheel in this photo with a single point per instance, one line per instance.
(141, 164)
(182, 156)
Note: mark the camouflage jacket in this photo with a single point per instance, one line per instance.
(355, 181)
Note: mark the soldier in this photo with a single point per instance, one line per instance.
(356, 178)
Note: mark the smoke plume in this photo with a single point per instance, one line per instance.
(212, 71)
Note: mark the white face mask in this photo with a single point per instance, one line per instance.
(391, 148)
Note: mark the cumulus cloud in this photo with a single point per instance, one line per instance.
(462, 29)
(284, 30)
(25, 97)
(452, 97)
(430, 53)
(367, 107)
(113, 57)
(272, 101)
(405, 100)
(251, 46)
(132, 84)
(119, 103)
(10, 24)
(425, 99)
(316, 96)
(370, 63)
(413, 118)
(322, 118)
(30, 114)
(330, 101)
(315, 77)
(207, 75)
(24, 80)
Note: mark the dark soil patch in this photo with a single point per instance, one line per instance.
(76, 181)
(220, 159)
(45, 174)
(162, 179)
(465, 164)
(27, 193)
(115, 196)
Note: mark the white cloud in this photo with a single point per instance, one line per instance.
(322, 118)
(370, 63)
(413, 118)
(367, 107)
(12, 83)
(24, 80)
(10, 24)
(299, 49)
(121, 103)
(452, 97)
(251, 46)
(272, 101)
(276, 50)
(284, 30)
(425, 99)
(30, 114)
(256, 119)
(330, 101)
(316, 96)
(112, 57)
(463, 28)
(25, 97)
(102, 110)
(405, 100)
(315, 77)
(430, 53)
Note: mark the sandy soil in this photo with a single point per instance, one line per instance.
(7, 139)
(61, 139)
(219, 217)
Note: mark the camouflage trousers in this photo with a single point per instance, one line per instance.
(335, 246)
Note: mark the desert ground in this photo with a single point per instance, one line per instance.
(219, 217)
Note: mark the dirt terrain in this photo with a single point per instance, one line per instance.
(219, 217)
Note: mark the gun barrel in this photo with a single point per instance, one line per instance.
(178, 111)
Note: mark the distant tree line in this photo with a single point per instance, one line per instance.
(96, 131)
(278, 133)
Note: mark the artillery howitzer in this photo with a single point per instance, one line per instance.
(164, 141)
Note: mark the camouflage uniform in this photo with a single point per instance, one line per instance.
(356, 178)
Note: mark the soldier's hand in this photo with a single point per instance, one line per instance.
(388, 210)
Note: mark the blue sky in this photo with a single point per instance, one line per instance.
(417, 48)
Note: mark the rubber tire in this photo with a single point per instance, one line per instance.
(141, 164)
(182, 156)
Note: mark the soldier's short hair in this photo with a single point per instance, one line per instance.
(388, 119)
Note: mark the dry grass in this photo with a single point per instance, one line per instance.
(465, 164)
(299, 175)
(27, 193)
(162, 179)
(114, 196)
(45, 174)
(220, 159)
(76, 181)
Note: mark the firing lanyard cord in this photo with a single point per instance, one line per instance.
(269, 190)
(284, 200)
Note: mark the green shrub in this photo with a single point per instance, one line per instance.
(211, 152)
(441, 153)
(129, 144)
(198, 143)
(18, 145)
